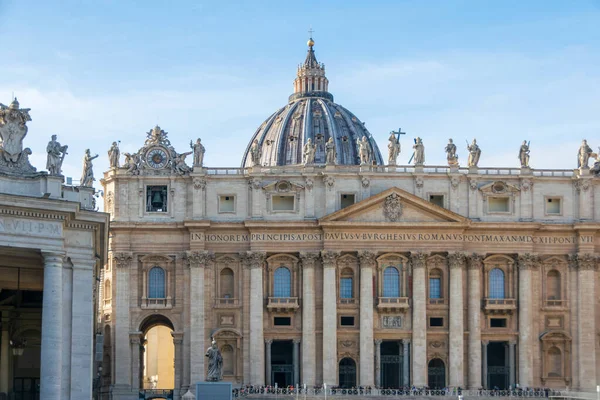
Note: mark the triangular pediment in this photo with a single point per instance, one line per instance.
(395, 205)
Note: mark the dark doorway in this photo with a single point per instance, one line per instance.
(347, 371)
(436, 373)
(282, 363)
(391, 365)
(497, 367)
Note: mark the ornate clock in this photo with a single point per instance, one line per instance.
(157, 157)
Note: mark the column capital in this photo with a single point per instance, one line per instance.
(378, 342)
(296, 341)
(53, 257)
(268, 342)
(122, 259)
(418, 259)
(406, 341)
(475, 261)
(308, 258)
(177, 337)
(329, 258)
(135, 337)
(199, 259)
(528, 261)
(586, 261)
(367, 258)
(485, 342)
(256, 259)
(457, 260)
(83, 263)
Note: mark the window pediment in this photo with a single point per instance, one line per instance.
(499, 188)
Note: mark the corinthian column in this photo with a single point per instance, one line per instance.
(586, 299)
(419, 322)
(257, 339)
(309, 354)
(457, 266)
(330, 375)
(475, 263)
(198, 261)
(122, 362)
(526, 262)
(367, 362)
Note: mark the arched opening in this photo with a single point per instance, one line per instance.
(347, 373)
(156, 283)
(554, 362)
(107, 290)
(496, 285)
(282, 282)
(347, 284)
(553, 285)
(158, 353)
(436, 374)
(226, 284)
(391, 282)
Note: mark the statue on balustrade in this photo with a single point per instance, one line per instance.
(451, 154)
(583, 156)
(309, 152)
(87, 176)
(199, 151)
(113, 155)
(255, 153)
(330, 152)
(364, 151)
(524, 154)
(393, 148)
(474, 154)
(419, 154)
(56, 156)
(215, 363)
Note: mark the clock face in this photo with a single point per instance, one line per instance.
(157, 158)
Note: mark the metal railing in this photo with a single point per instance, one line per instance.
(372, 392)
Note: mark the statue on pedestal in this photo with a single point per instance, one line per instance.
(451, 154)
(56, 155)
(419, 154)
(215, 363)
(583, 156)
(255, 153)
(113, 155)
(524, 154)
(309, 152)
(364, 151)
(330, 152)
(393, 148)
(199, 151)
(474, 154)
(87, 176)
(14, 159)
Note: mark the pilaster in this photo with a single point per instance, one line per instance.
(257, 344)
(367, 263)
(419, 322)
(122, 363)
(586, 299)
(526, 262)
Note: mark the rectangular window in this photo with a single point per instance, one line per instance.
(346, 288)
(282, 321)
(437, 199)
(347, 321)
(227, 204)
(156, 198)
(435, 288)
(553, 206)
(497, 322)
(436, 322)
(498, 204)
(282, 203)
(346, 200)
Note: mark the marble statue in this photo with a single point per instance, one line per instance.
(364, 151)
(309, 152)
(215, 363)
(56, 155)
(524, 154)
(13, 129)
(596, 167)
(393, 149)
(87, 176)
(199, 151)
(474, 154)
(451, 153)
(113, 155)
(583, 156)
(419, 155)
(255, 153)
(131, 163)
(179, 166)
(330, 152)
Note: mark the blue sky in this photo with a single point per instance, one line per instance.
(502, 71)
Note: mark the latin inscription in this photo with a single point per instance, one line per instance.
(29, 227)
(391, 321)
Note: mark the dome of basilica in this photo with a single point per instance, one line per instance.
(311, 114)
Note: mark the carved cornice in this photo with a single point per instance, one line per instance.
(256, 259)
(308, 259)
(475, 261)
(418, 259)
(457, 260)
(329, 258)
(367, 258)
(199, 259)
(122, 260)
(528, 261)
(586, 262)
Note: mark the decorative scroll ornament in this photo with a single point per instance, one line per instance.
(199, 183)
(199, 259)
(392, 207)
(475, 261)
(329, 258)
(256, 259)
(123, 260)
(457, 260)
(418, 259)
(308, 259)
(367, 258)
(528, 261)
(586, 261)
(14, 159)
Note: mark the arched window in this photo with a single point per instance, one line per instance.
(346, 284)
(156, 283)
(496, 283)
(391, 282)
(226, 280)
(553, 285)
(554, 362)
(227, 354)
(282, 282)
(435, 284)
(107, 290)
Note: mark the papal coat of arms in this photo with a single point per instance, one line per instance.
(392, 208)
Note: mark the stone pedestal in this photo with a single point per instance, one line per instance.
(213, 390)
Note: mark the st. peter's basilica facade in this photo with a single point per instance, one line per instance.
(319, 261)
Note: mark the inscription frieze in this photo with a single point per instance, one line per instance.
(30, 227)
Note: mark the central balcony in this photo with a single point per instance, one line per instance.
(499, 306)
(283, 304)
(226, 302)
(392, 304)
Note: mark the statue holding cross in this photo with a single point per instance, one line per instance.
(394, 146)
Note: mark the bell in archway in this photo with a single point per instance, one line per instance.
(157, 200)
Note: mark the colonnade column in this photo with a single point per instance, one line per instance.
(475, 264)
(378, 363)
(457, 266)
(198, 261)
(484, 372)
(419, 322)
(178, 345)
(330, 367)
(586, 299)
(296, 361)
(122, 361)
(257, 340)
(51, 353)
(405, 364)
(367, 262)
(309, 352)
(526, 262)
